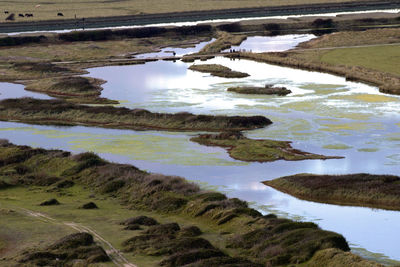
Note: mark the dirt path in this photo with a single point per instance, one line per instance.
(115, 255)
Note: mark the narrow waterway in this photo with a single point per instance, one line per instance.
(324, 114)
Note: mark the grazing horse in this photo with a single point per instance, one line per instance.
(21, 15)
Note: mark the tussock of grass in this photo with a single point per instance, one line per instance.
(336, 258)
(284, 242)
(218, 70)
(66, 251)
(242, 148)
(59, 112)
(178, 247)
(377, 191)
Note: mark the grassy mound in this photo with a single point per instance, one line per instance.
(180, 249)
(218, 70)
(67, 251)
(50, 202)
(242, 148)
(377, 191)
(60, 112)
(336, 258)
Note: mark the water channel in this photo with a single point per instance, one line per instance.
(324, 114)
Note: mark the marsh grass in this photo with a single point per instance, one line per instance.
(377, 191)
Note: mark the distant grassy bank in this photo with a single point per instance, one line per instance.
(376, 191)
(155, 219)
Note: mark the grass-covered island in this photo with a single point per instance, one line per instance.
(75, 89)
(245, 149)
(140, 218)
(218, 70)
(58, 112)
(367, 190)
(266, 90)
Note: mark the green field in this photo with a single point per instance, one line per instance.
(385, 58)
(98, 8)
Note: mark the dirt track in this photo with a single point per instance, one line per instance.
(115, 255)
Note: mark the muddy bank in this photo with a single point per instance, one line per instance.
(365, 190)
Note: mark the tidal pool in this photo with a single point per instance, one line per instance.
(258, 44)
(325, 114)
(12, 90)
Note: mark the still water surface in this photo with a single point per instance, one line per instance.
(324, 114)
